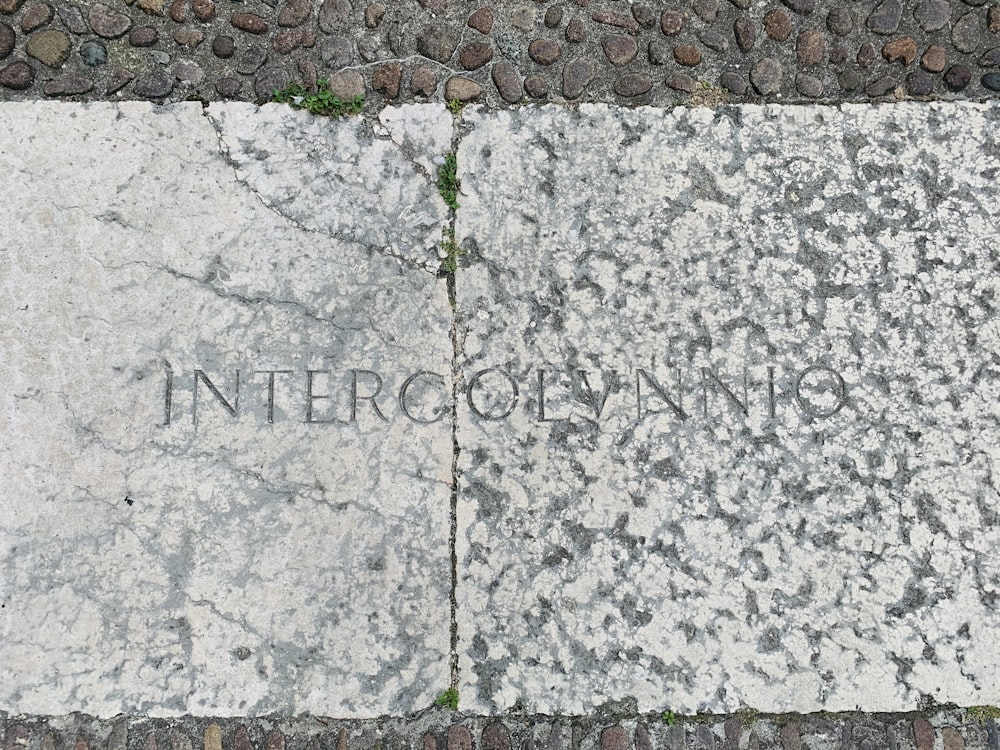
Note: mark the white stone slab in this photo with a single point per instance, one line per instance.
(220, 564)
(827, 540)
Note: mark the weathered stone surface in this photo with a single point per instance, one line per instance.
(866, 54)
(507, 81)
(118, 78)
(808, 85)
(734, 83)
(958, 77)
(229, 88)
(51, 47)
(438, 43)
(610, 18)
(229, 523)
(269, 80)
(223, 47)
(881, 86)
(72, 18)
(204, 10)
(347, 84)
(919, 84)
(188, 71)
(252, 59)
(576, 31)
(249, 22)
(9, 7)
(636, 500)
(553, 17)
(143, 36)
(189, 37)
(682, 82)
(374, 14)
(93, 53)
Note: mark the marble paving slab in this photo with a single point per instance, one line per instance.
(729, 433)
(217, 497)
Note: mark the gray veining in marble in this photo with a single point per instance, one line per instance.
(242, 561)
(770, 354)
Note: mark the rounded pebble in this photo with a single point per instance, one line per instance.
(553, 17)
(632, 84)
(688, 55)
(108, 22)
(49, 47)
(18, 76)
(93, 53)
(777, 25)
(536, 87)
(7, 39)
(919, 84)
(482, 21)
(866, 54)
(881, 86)
(576, 31)
(620, 49)
(810, 47)
(270, 80)
(204, 10)
(991, 81)
(423, 82)
(745, 32)
(228, 88)
(766, 76)
(154, 85)
(849, 80)
(223, 47)
(386, 79)
(932, 15)
(544, 51)
(965, 34)
(839, 21)
(671, 22)
(374, 14)
(188, 71)
(734, 83)
(36, 15)
(934, 59)
(461, 89)
(900, 50)
(804, 7)
(143, 36)
(68, 85)
(189, 37)
(885, 17)
(958, 77)
(437, 43)
(576, 75)
(507, 82)
(682, 82)
(248, 22)
(644, 15)
(475, 55)
(808, 85)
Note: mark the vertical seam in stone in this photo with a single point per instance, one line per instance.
(455, 376)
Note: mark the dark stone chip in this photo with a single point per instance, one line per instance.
(438, 43)
(143, 36)
(991, 81)
(881, 86)
(68, 85)
(958, 77)
(223, 47)
(884, 19)
(228, 88)
(839, 21)
(849, 80)
(508, 83)
(536, 87)
(154, 85)
(919, 84)
(632, 84)
(809, 85)
(18, 76)
(93, 53)
(805, 7)
(932, 14)
(553, 16)
(734, 83)
(252, 60)
(7, 39)
(270, 80)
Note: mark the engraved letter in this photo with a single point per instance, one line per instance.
(513, 398)
(310, 397)
(592, 396)
(402, 397)
(541, 399)
(355, 397)
(708, 375)
(168, 395)
(232, 408)
(270, 390)
(839, 388)
(661, 392)
(770, 390)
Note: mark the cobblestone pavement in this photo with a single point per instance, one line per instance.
(439, 729)
(502, 51)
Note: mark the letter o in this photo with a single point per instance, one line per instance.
(476, 378)
(809, 408)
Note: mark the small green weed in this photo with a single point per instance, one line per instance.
(452, 251)
(447, 182)
(981, 713)
(323, 102)
(448, 699)
(455, 107)
(669, 718)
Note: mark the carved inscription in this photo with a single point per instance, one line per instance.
(546, 394)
